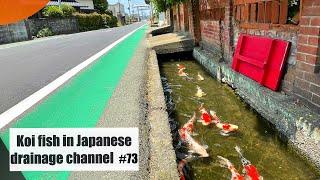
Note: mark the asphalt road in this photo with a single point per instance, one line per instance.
(27, 67)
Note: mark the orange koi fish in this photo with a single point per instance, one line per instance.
(249, 169)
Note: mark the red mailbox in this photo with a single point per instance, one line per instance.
(261, 59)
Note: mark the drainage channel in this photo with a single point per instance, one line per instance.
(257, 139)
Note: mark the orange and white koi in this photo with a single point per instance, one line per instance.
(181, 69)
(250, 170)
(182, 73)
(200, 78)
(235, 175)
(195, 147)
(199, 92)
(225, 127)
(188, 127)
(180, 66)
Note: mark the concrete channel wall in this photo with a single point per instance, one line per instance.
(162, 156)
(298, 124)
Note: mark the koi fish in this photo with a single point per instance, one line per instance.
(235, 175)
(188, 127)
(195, 147)
(200, 78)
(206, 118)
(226, 128)
(182, 73)
(200, 93)
(180, 66)
(181, 165)
(249, 169)
(183, 168)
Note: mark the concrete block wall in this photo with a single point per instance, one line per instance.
(57, 25)
(13, 33)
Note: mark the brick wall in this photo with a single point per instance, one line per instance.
(212, 28)
(211, 35)
(307, 77)
(184, 17)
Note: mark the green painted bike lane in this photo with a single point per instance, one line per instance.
(82, 100)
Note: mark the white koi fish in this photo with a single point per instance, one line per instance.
(195, 147)
(235, 175)
(200, 78)
(199, 92)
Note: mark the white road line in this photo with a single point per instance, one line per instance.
(15, 111)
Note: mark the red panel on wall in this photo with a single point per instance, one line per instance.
(261, 59)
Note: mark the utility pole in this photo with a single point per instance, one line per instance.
(129, 12)
(138, 14)
(59, 3)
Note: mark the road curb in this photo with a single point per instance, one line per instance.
(162, 156)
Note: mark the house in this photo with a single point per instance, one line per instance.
(117, 9)
(82, 5)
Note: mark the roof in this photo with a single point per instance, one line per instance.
(73, 3)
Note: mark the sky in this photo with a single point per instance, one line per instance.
(125, 3)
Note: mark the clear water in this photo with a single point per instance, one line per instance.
(259, 143)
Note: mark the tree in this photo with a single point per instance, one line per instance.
(100, 5)
(163, 5)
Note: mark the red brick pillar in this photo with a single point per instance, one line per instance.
(307, 81)
(185, 17)
(228, 31)
(196, 21)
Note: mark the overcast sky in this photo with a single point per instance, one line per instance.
(125, 3)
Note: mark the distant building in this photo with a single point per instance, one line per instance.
(117, 9)
(82, 5)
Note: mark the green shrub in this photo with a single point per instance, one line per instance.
(52, 11)
(45, 32)
(113, 21)
(89, 22)
(94, 21)
(67, 10)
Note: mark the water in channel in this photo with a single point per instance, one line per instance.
(259, 143)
